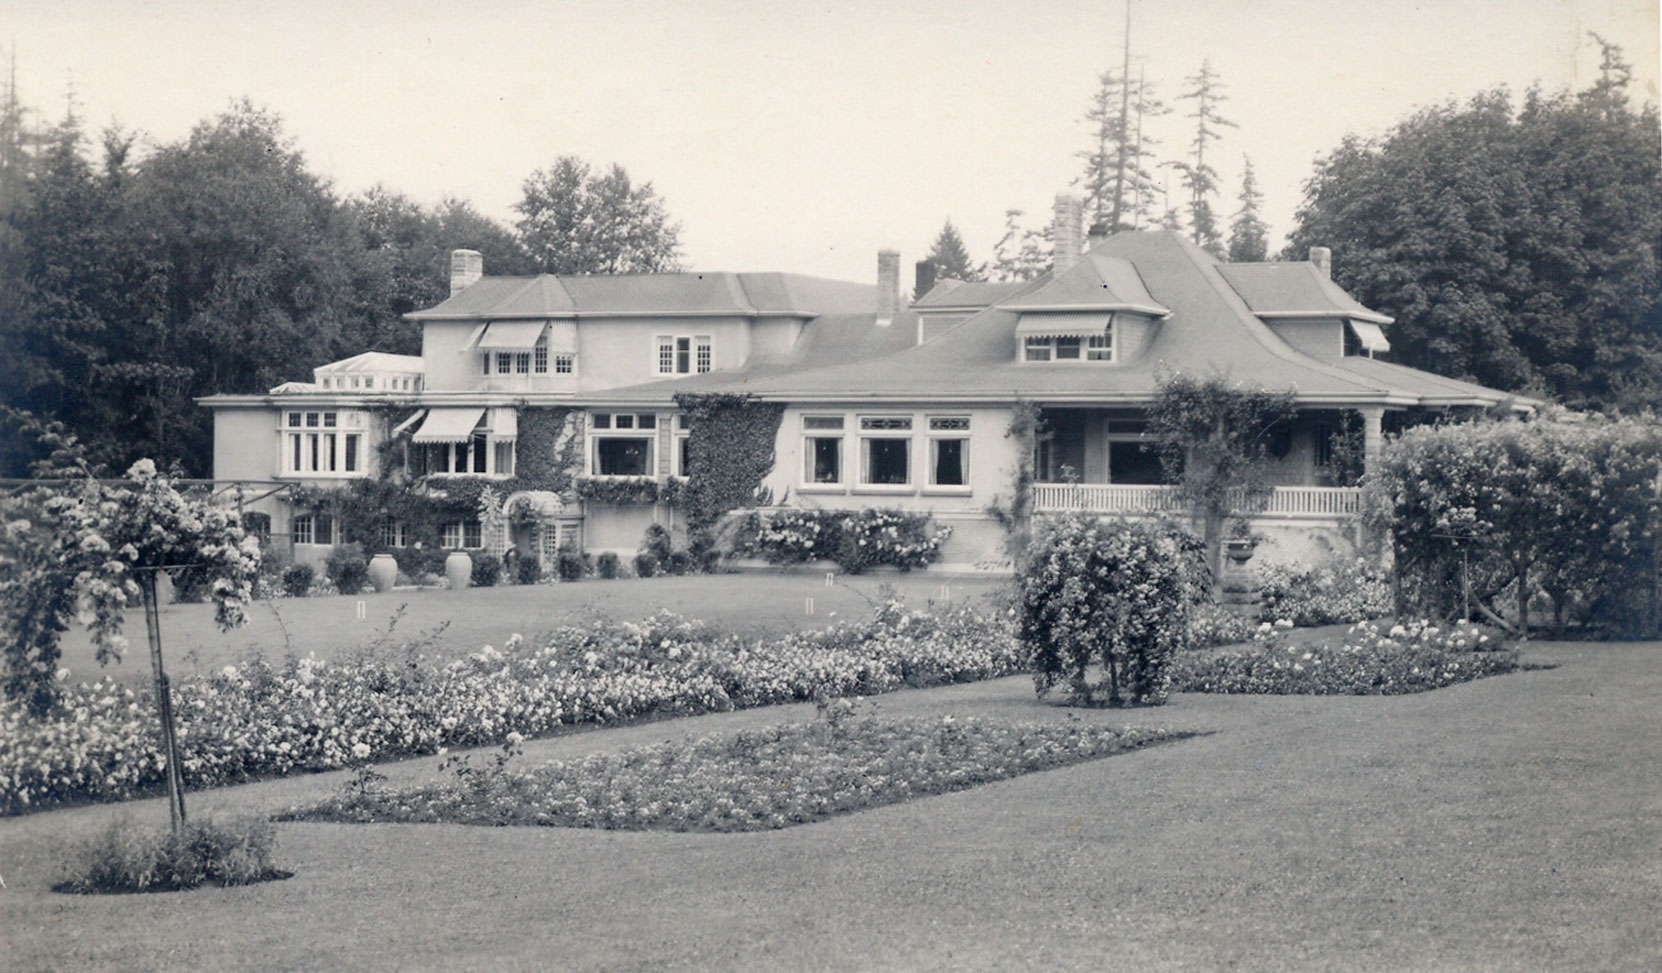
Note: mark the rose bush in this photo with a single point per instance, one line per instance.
(261, 719)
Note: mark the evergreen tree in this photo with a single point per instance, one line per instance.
(1199, 178)
(1105, 161)
(1521, 249)
(951, 258)
(1146, 193)
(1248, 236)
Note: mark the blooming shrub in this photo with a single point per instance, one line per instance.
(1335, 592)
(856, 540)
(1367, 662)
(752, 781)
(1107, 594)
(1212, 624)
(261, 719)
(487, 571)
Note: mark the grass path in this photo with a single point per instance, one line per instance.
(1513, 822)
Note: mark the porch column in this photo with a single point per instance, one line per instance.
(1373, 434)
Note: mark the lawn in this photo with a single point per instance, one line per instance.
(1500, 824)
(460, 622)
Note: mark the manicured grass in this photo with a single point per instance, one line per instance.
(1500, 824)
(457, 623)
(756, 780)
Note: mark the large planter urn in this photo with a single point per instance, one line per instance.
(458, 568)
(383, 572)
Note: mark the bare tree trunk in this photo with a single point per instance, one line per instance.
(164, 703)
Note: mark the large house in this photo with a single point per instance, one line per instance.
(885, 402)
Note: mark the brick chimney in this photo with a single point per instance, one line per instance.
(888, 286)
(466, 267)
(926, 277)
(1322, 257)
(1065, 228)
(1097, 234)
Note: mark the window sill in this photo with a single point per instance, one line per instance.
(892, 489)
(836, 488)
(947, 491)
(354, 475)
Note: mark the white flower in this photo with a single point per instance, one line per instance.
(360, 750)
(1397, 631)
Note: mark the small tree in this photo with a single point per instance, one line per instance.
(1107, 594)
(97, 548)
(1213, 438)
(951, 258)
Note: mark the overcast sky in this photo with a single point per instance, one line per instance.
(790, 135)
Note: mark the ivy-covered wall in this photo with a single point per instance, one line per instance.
(730, 449)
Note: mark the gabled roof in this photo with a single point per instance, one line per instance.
(1294, 289)
(1207, 328)
(681, 294)
(960, 294)
(1098, 282)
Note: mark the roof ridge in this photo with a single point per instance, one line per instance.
(1254, 325)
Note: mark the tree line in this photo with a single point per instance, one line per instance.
(1516, 245)
(135, 278)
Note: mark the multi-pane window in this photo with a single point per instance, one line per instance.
(522, 363)
(321, 443)
(478, 454)
(685, 354)
(565, 364)
(623, 443)
(540, 356)
(683, 451)
(301, 529)
(949, 451)
(886, 458)
(1096, 347)
(315, 528)
(462, 534)
(392, 533)
(822, 449)
(504, 361)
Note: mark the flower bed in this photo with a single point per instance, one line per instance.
(306, 715)
(1406, 659)
(1338, 591)
(752, 781)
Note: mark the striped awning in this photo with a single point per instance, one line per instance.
(505, 423)
(449, 425)
(511, 335)
(1062, 325)
(1370, 335)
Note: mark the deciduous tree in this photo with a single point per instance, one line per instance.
(574, 221)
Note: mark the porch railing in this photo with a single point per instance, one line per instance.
(1121, 498)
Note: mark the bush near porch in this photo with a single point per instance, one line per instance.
(1569, 506)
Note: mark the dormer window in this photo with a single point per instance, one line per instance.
(1066, 337)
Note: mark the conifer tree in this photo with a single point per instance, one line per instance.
(1248, 236)
(951, 258)
(1199, 178)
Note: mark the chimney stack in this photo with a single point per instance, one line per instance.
(1322, 257)
(1064, 231)
(1097, 234)
(466, 267)
(926, 277)
(888, 286)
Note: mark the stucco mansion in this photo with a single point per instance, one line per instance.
(886, 403)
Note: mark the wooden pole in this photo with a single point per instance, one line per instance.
(164, 702)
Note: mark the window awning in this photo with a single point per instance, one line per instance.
(562, 337)
(1062, 325)
(448, 425)
(505, 423)
(1370, 335)
(511, 335)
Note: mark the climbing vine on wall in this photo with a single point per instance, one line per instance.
(1016, 516)
(729, 450)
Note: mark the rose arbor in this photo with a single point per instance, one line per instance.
(119, 536)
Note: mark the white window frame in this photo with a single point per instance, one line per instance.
(328, 444)
(1098, 348)
(454, 535)
(810, 435)
(679, 437)
(614, 426)
(870, 430)
(700, 352)
(944, 428)
(302, 525)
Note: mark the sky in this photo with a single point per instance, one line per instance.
(792, 135)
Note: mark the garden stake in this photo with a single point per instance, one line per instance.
(164, 700)
(808, 609)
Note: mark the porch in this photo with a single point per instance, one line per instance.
(1140, 499)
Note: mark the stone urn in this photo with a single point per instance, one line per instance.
(1239, 585)
(383, 572)
(458, 568)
